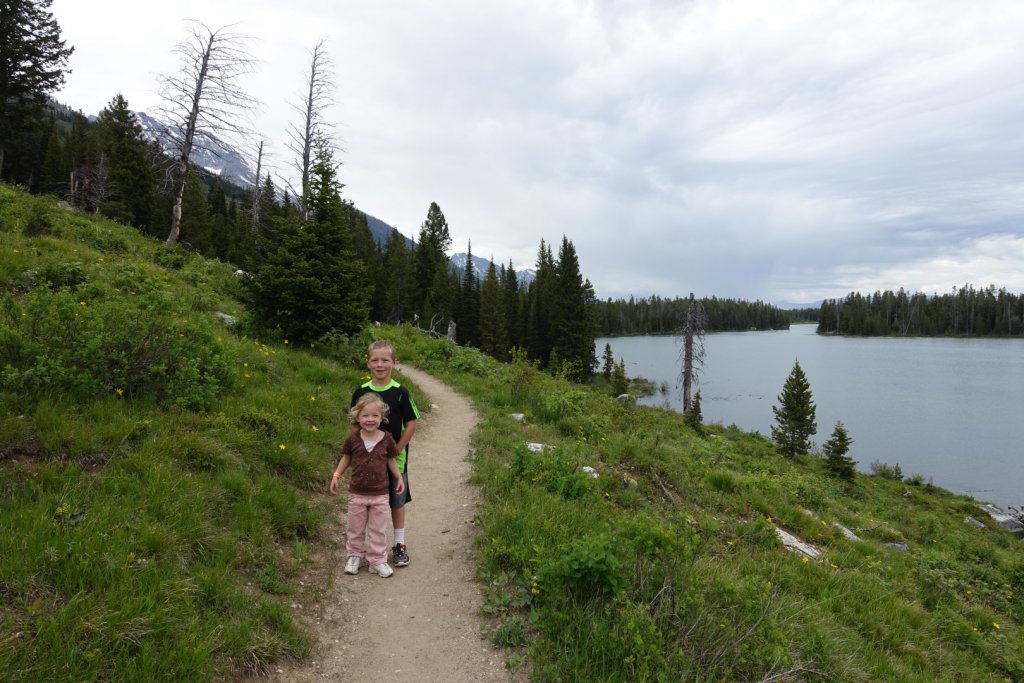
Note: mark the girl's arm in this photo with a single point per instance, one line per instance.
(338, 471)
(399, 482)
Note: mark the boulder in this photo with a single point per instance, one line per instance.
(1004, 519)
(974, 522)
(795, 545)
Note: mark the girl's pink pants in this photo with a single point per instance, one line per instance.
(368, 516)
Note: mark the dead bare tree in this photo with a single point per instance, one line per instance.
(692, 352)
(318, 96)
(203, 102)
(257, 192)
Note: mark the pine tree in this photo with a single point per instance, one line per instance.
(693, 415)
(572, 328)
(399, 273)
(513, 322)
(220, 231)
(795, 415)
(609, 363)
(133, 176)
(468, 309)
(311, 283)
(836, 448)
(433, 296)
(197, 222)
(493, 340)
(540, 307)
(620, 383)
(32, 65)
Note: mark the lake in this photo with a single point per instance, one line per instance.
(949, 409)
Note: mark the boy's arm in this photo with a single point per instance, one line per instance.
(399, 482)
(407, 432)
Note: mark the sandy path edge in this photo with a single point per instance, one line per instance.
(424, 623)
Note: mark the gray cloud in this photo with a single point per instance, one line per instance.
(786, 151)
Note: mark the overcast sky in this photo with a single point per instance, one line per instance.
(784, 151)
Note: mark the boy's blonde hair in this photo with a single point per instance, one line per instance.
(381, 344)
(365, 400)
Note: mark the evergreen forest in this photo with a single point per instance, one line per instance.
(964, 312)
(657, 315)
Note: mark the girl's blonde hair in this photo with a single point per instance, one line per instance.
(365, 400)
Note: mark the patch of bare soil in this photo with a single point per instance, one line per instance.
(423, 623)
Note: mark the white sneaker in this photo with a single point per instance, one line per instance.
(383, 570)
(352, 566)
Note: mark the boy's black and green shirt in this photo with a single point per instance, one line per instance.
(401, 409)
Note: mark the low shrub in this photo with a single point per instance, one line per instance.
(56, 342)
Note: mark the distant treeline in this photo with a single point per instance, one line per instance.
(966, 311)
(655, 315)
(803, 315)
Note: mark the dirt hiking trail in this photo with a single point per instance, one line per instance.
(423, 623)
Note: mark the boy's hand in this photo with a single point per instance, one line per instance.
(399, 486)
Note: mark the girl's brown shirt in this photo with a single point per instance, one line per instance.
(369, 468)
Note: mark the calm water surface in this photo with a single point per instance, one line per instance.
(949, 409)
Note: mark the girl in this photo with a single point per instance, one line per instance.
(371, 452)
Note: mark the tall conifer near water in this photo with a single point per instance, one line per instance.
(572, 327)
(836, 448)
(795, 415)
(540, 307)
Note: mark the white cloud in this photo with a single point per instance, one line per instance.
(778, 150)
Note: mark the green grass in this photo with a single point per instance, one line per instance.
(161, 475)
(667, 566)
(162, 484)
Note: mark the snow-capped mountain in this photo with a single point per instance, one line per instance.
(234, 168)
(207, 154)
(480, 265)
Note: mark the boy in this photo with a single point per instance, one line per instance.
(381, 360)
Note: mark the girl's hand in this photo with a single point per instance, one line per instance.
(333, 488)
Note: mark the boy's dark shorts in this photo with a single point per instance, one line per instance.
(394, 499)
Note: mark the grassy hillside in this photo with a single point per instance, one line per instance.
(161, 481)
(160, 475)
(668, 566)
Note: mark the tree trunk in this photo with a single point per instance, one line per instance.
(257, 192)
